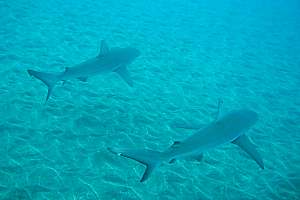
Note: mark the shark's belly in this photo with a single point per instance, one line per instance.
(87, 69)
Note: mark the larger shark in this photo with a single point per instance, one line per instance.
(227, 129)
(108, 60)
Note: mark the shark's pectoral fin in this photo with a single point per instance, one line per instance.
(83, 79)
(244, 143)
(124, 74)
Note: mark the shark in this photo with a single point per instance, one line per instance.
(108, 60)
(229, 128)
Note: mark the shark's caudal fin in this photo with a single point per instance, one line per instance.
(49, 79)
(244, 143)
(149, 158)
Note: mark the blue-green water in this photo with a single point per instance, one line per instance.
(192, 54)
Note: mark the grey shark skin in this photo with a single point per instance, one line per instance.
(108, 60)
(228, 129)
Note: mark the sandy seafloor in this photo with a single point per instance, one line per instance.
(193, 53)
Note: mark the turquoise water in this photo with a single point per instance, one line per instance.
(192, 54)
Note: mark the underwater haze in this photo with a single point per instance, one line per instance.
(193, 53)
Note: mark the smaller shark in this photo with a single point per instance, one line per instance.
(108, 60)
(228, 129)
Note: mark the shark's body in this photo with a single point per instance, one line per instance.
(228, 129)
(108, 60)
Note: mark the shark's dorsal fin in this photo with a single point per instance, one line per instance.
(175, 144)
(67, 69)
(83, 79)
(103, 48)
(218, 114)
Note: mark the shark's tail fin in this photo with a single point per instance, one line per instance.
(151, 159)
(50, 79)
